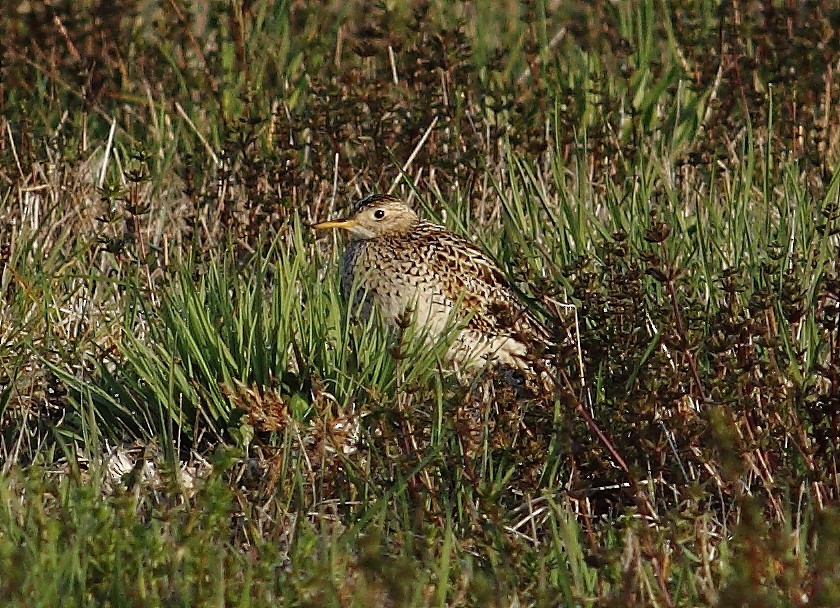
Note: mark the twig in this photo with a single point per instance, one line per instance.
(393, 59)
(198, 134)
(551, 44)
(414, 154)
(70, 46)
(105, 158)
(14, 149)
(334, 184)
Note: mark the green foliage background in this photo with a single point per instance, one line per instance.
(189, 416)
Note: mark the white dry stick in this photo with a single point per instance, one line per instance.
(14, 149)
(414, 183)
(393, 64)
(579, 348)
(551, 44)
(339, 44)
(712, 96)
(198, 134)
(335, 183)
(414, 154)
(107, 156)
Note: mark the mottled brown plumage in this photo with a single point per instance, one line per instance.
(401, 263)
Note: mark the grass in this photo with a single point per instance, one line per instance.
(190, 416)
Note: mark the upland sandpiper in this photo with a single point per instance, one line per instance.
(402, 265)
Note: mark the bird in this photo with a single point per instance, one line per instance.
(400, 264)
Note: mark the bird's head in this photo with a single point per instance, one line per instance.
(376, 215)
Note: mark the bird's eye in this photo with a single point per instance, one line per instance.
(379, 214)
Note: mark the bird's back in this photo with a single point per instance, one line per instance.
(435, 272)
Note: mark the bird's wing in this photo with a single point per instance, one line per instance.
(474, 282)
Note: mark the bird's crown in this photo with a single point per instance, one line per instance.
(374, 198)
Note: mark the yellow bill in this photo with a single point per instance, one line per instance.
(345, 224)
